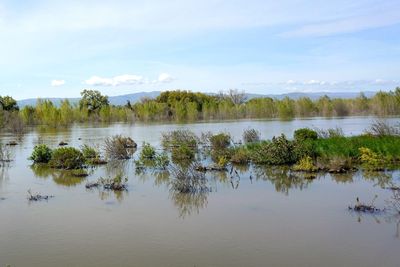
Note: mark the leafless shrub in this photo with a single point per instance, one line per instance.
(188, 180)
(119, 147)
(251, 136)
(329, 133)
(383, 128)
(5, 153)
(179, 138)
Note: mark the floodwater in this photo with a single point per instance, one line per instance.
(269, 220)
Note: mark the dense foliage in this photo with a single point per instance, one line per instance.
(188, 106)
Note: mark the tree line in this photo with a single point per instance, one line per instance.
(181, 105)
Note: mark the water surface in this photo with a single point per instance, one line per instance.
(269, 220)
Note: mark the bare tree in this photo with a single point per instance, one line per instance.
(236, 96)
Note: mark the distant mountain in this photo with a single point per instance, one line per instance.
(317, 95)
(135, 97)
(114, 100)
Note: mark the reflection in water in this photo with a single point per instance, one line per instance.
(60, 177)
(107, 194)
(343, 177)
(381, 179)
(115, 167)
(282, 178)
(189, 203)
(4, 175)
(189, 190)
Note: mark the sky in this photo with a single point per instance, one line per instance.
(51, 48)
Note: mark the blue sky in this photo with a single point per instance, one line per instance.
(57, 48)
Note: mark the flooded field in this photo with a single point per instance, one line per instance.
(262, 217)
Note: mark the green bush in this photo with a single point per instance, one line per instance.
(220, 141)
(67, 158)
(277, 152)
(148, 151)
(240, 156)
(305, 134)
(161, 160)
(305, 164)
(182, 152)
(89, 152)
(41, 154)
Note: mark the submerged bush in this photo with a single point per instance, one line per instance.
(66, 158)
(183, 152)
(220, 141)
(251, 136)
(305, 134)
(89, 152)
(240, 156)
(41, 154)
(119, 147)
(161, 160)
(305, 164)
(148, 151)
(277, 152)
(179, 138)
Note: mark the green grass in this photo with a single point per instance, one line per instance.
(349, 146)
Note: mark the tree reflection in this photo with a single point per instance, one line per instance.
(4, 174)
(282, 178)
(380, 178)
(60, 177)
(189, 190)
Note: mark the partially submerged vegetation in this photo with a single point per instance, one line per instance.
(188, 106)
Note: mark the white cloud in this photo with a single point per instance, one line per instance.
(125, 79)
(57, 82)
(165, 78)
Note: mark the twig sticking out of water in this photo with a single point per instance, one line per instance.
(37, 196)
(361, 207)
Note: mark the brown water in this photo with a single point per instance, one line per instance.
(271, 220)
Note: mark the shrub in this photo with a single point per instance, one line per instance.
(161, 160)
(178, 138)
(305, 164)
(337, 164)
(251, 136)
(277, 152)
(222, 162)
(220, 141)
(305, 134)
(66, 158)
(182, 152)
(89, 152)
(148, 151)
(382, 128)
(240, 156)
(372, 160)
(330, 133)
(41, 154)
(119, 147)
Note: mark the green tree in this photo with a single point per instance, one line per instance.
(92, 101)
(8, 103)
